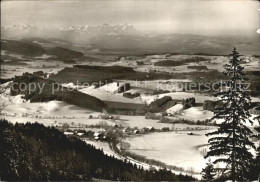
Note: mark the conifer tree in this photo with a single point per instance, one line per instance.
(230, 143)
(208, 172)
(257, 162)
(256, 166)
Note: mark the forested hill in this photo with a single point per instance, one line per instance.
(38, 153)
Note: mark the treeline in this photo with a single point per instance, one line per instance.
(254, 77)
(33, 152)
(52, 91)
(108, 69)
(198, 67)
(91, 74)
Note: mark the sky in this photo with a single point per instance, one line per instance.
(167, 16)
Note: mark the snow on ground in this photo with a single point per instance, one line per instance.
(175, 109)
(107, 150)
(177, 149)
(6, 85)
(152, 85)
(140, 122)
(6, 100)
(80, 123)
(255, 123)
(196, 113)
(103, 94)
(200, 98)
(45, 109)
(110, 87)
(51, 66)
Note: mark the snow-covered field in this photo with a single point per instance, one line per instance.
(152, 85)
(106, 93)
(215, 63)
(177, 149)
(200, 98)
(50, 109)
(196, 113)
(9, 71)
(178, 108)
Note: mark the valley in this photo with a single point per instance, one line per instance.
(126, 94)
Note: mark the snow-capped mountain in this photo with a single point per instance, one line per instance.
(104, 29)
(125, 38)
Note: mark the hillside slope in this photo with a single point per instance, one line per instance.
(26, 47)
(33, 152)
(52, 91)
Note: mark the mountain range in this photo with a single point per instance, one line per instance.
(87, 30)
(124, 38)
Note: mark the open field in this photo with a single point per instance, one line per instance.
(175, 147)
(200, 98)
(104, 95)
(146, 63)
(178, 149)
(16, 109)
(9, 71)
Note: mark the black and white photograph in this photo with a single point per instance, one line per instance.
(130, 90)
